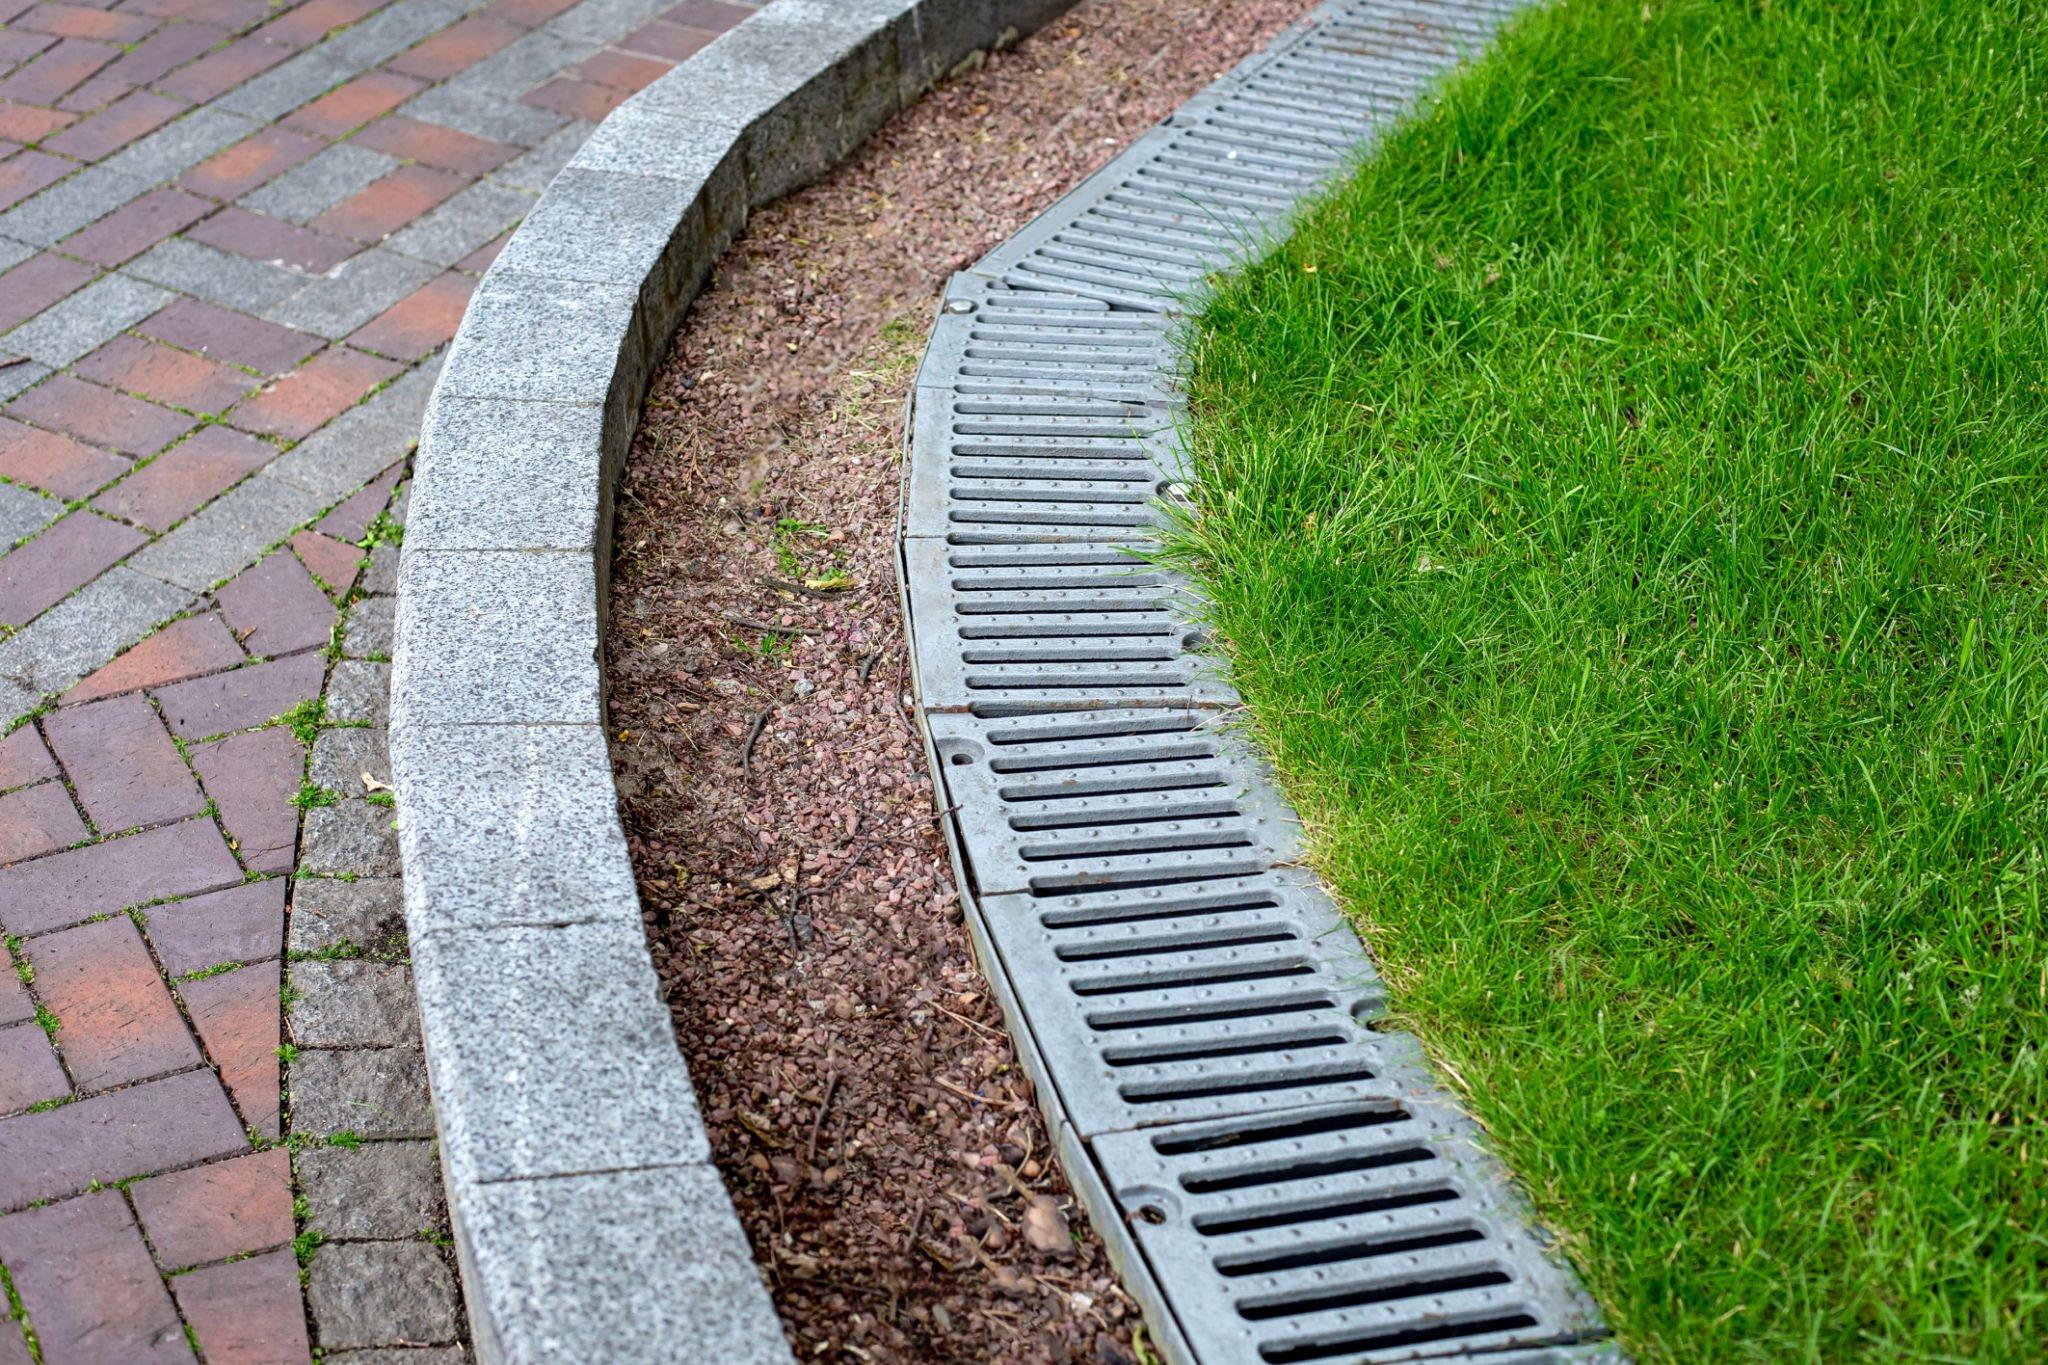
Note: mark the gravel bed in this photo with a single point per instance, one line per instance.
(865, 1105)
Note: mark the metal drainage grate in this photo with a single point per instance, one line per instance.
(1280, 1180)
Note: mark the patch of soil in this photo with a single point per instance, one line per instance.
(865, 1104)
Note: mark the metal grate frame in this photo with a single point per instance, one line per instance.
(1279, 1179)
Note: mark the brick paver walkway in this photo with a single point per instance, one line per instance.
(234, 235)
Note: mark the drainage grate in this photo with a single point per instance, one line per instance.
(1367, 1230)
(1280, 1180)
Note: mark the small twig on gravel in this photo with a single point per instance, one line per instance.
(867, 666)
(769, 626)
(860, 851)
(903, 696)
(971, 1023)
(784, 585)
(747, 749)
(818, 1122)
(796, 892)
(970, 1095)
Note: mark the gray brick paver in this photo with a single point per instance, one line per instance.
(214, 275)
(466, 222)
(350, 295)
(483, 113)
(71, 204)
(225, 536)
(284, 88)
(306, 191)
(87, 320)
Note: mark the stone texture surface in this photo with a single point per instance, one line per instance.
(579, 1049)
(389, 1190)
(378, 1293)
(621, 1262)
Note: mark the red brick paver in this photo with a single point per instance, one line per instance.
(182, 649)
(122, 764)
(209, 1213)
(116, 1021)
(88, 1284)
(56, 464)
(246, 1312)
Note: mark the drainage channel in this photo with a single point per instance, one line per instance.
(1279, 1180)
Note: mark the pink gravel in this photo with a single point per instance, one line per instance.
(866, 1108)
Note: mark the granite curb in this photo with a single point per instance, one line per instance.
(588, 1217)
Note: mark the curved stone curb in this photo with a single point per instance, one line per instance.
(590, 1223)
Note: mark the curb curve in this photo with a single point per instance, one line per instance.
(589, 1219)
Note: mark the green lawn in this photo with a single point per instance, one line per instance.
(1626, 506)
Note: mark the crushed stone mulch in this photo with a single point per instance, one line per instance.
(865, 1103)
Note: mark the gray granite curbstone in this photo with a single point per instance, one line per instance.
(630, 1265)
(570, 1022)
(496, 637)
(564, 341)
(511, 475)
(510, 825)
(587, 1216)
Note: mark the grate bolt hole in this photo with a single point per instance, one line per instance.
(961, 760)
(1149, 1213)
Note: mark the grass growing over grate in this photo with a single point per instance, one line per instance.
(1626, 503)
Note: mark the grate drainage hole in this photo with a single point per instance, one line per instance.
(1337, 1253)
(1347, 1120)
(1160, 1094)
(1260, 1310)
(1209, 943)
(1368, 1342)
(1222, 1224)
(1295, 1171)
(1115, 1023)
(1160, 1056)
(1133, 986)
